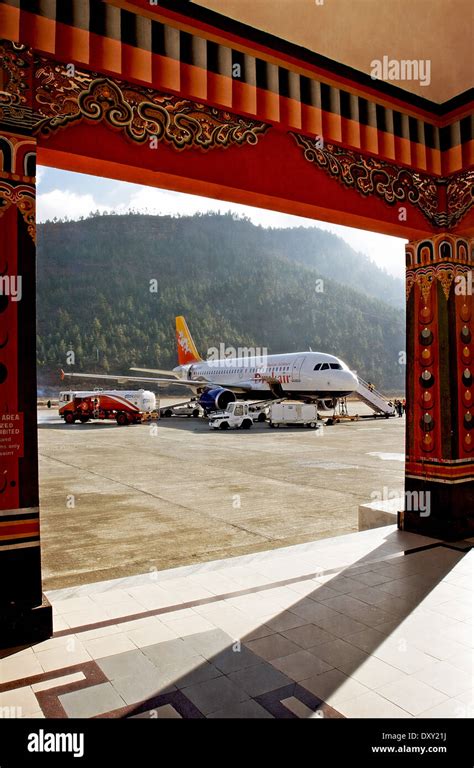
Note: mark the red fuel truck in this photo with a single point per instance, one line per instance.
(125, 407)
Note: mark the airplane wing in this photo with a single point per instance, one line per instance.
(121, 379)
(157, 370)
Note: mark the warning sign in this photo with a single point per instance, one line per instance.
(11, 435)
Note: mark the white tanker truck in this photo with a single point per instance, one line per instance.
(123, 406)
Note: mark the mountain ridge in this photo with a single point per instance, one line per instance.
(236, 283)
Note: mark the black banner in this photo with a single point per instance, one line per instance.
(143, 741)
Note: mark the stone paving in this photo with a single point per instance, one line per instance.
(373, 624)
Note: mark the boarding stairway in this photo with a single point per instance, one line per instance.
(373, 399)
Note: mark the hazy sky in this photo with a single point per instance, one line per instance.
(72, 195)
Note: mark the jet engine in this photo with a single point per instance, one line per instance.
(216, 399)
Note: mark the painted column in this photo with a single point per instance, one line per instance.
(439, 498)
(25, 615)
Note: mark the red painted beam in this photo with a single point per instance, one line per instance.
(273, 175)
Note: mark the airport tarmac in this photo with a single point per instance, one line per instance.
(118, 501)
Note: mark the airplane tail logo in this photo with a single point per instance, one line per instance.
(187, 352)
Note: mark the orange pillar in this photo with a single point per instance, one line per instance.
(439, 499)
(25, 616)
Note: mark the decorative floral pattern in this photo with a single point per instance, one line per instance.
(371, 176)
(141, 113)
(23, 196)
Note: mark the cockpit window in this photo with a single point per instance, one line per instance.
(318, 367)
(336, 366)
(325, 367)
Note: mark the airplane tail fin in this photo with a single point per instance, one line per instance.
(187, 352)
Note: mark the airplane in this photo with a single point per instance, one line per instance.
(309, 376)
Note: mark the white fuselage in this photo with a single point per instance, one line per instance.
(298, 373)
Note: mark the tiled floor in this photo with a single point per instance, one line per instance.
(363, 625)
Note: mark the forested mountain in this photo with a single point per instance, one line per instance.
(109, 288)
(332, 257)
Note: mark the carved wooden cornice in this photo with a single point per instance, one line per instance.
(142, 114)
(393, 184)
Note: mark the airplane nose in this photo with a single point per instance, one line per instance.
(352, 379)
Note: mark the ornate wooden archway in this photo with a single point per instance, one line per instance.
(136, 92)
